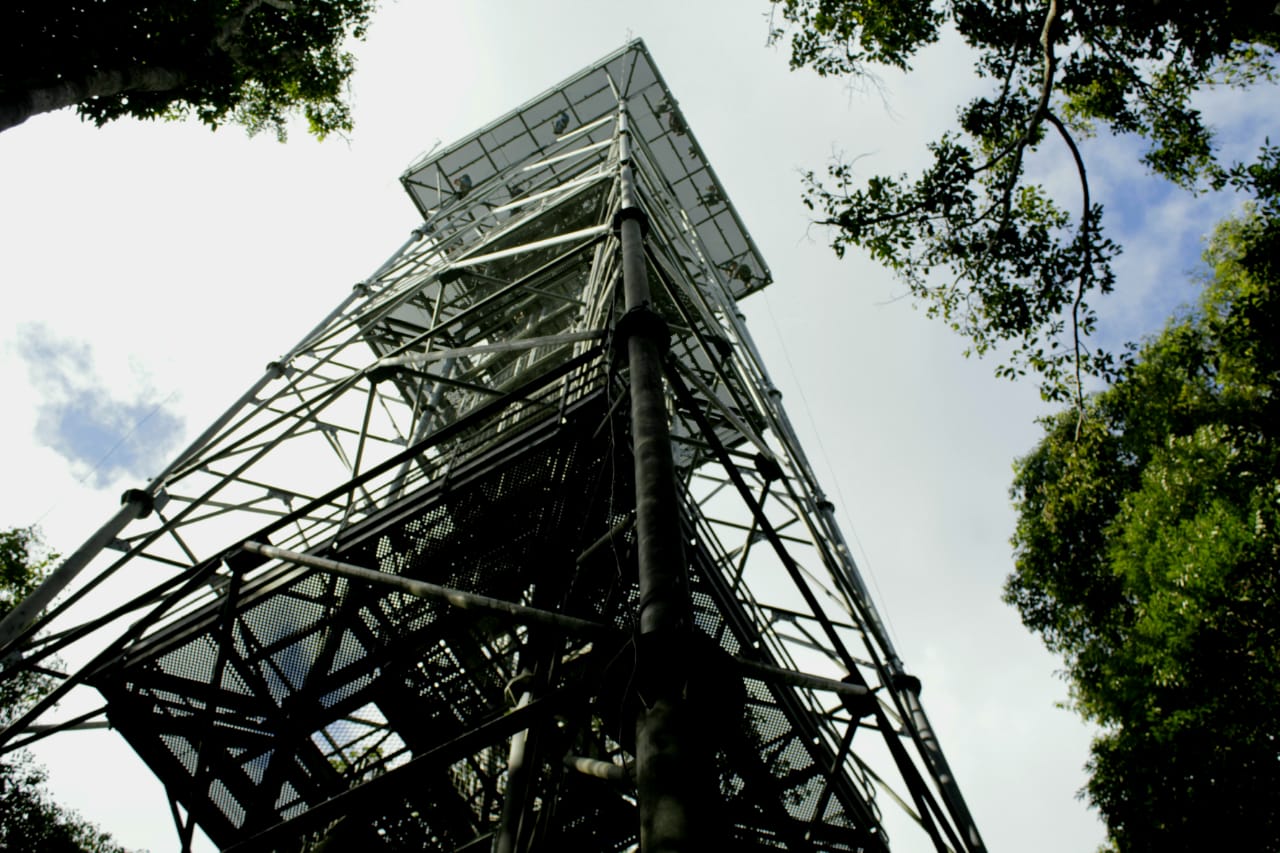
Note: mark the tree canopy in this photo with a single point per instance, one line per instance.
(987, 249)
(251, 62)
(29, 818)
(23, 564)
(1147, 555)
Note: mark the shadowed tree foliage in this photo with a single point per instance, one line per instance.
(23, 564)
(250, 62)
(29, 819)
(983, 247)
(1148, 556)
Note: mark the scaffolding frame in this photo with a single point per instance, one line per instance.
(255, 678)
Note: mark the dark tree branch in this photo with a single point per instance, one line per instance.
(844, 221)
(1018, 147)
(1086, 273)
(251, 62)
(1042, 107)
(19, 107)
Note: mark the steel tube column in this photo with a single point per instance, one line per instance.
(517, 784)
(951, 795)
(671, 803)
(137, 504)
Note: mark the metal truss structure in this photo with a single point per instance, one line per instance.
(390, 597)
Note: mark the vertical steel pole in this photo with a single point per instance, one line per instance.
(672, 806)
(517, 783)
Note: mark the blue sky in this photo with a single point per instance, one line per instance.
(1161, 227)
(164, 264)
(106, 433)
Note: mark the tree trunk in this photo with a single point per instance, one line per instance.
(17, 107)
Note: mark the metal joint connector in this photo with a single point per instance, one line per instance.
(381, 372)
(643, 321)
(142, 498)
(634, 213)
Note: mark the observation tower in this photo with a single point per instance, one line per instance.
(515, 551)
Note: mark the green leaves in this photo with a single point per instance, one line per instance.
(251, 62)
(24, 561)
(23, 564)
(29, 819)
(994, 255)
(1146, 554)
(1147, 549)
(1005, 272)
(835, 37)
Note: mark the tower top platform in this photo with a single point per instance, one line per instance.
(574, 120)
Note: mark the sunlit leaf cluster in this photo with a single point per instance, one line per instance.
(975, 240)
(1148, 556)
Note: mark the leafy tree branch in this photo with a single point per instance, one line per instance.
(29, 817)
(976, 241)
(1082, 284)
(251, 62)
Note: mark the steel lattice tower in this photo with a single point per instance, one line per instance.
(516, 550)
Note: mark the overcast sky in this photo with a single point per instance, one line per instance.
(151, 270)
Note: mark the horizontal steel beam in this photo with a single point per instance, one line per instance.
(765, 672)
(422, 358)
(422, 589)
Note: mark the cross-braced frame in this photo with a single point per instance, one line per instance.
(390, 595)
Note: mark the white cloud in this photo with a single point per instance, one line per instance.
(104, 433)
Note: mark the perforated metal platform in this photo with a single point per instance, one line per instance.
(267, 709)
